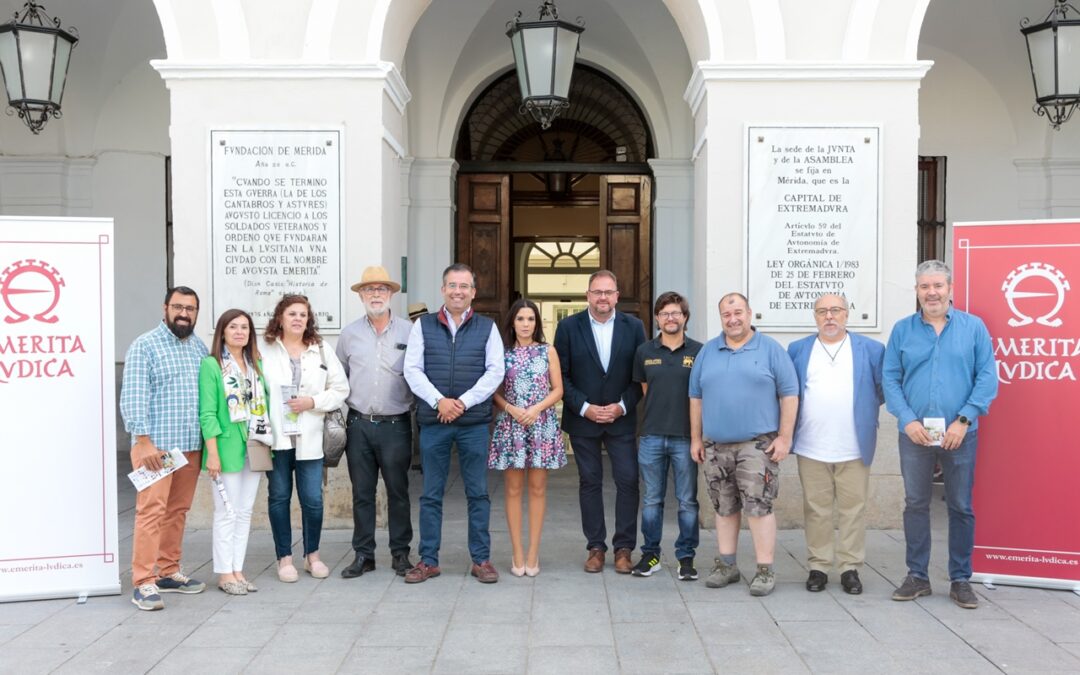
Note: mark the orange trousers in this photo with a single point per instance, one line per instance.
(160, 514)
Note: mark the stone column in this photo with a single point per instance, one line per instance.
(673, 234)
(431, 227)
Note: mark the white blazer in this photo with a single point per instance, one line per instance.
(327, 386)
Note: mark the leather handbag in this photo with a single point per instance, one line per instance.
(334, 436)
(259, 456)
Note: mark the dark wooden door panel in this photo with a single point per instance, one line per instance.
(625, 241)
(483, 239)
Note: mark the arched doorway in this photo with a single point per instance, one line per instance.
(538, 210)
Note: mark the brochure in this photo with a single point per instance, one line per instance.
(935, 426)
(172, 460)
(290, 421)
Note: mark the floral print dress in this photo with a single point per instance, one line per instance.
(539, 446)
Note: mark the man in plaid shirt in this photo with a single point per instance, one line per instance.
(159, 402)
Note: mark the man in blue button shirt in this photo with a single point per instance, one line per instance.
(744, 397)
(939, 365)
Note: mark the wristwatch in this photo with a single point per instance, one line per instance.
(963, 420)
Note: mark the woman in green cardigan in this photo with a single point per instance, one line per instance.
(232, 409)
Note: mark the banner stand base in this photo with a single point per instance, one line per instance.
(108, 589)
(989, 580)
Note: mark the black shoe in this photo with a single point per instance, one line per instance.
(358, 567)
(687, 571)
(646, 566)
(851, 582)
(817, 581)
(963, 596)
(401, 564)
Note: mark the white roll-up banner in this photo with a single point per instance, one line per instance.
(57, 394)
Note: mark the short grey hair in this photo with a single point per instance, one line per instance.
(933, 267)
(843, 299)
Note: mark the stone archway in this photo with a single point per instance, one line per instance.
(584, 180)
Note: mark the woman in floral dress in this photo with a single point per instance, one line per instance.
(527, 438)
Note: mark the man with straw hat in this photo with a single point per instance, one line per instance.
(372, 350)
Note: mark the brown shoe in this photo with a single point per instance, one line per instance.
(485, 572)
(422, 572)
(595, 561)
(623, 564)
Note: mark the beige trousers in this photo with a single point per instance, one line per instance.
(838, 488)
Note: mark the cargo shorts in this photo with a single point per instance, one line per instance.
(741, 476)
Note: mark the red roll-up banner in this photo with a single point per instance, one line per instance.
(1021, 278)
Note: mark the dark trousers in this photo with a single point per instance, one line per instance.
(375, 447)
(624, 469)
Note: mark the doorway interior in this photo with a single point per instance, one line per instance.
(539, 210)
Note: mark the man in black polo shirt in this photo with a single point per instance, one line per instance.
(662, 366)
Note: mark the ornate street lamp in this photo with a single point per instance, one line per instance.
(34, 56)
(1054, 52)
(544, 53)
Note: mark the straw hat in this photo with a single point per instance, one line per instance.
(376, 274)
(417, 309)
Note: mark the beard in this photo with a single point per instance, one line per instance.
(181, 328)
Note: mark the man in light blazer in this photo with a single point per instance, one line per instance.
(835, 436)
(596, 350)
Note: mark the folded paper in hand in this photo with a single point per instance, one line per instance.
(143, 478)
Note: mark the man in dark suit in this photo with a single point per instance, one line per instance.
(596, 349)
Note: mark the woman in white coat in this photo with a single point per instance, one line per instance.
(306, 381)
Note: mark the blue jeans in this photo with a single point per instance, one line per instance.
(436, 441)
(279, 490)
(958, 466)
(655, 455)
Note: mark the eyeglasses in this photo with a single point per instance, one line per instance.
(822, 311)
(375, 290)
(670, 315)
(603, 294)
(459, 287)
(180, 309)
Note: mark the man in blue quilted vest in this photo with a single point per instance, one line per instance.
(454, 363)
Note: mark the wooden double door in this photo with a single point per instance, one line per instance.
(485, 239)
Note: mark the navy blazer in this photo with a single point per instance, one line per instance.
(867, 356)
(584, 379)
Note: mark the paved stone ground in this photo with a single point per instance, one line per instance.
(563, 621)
